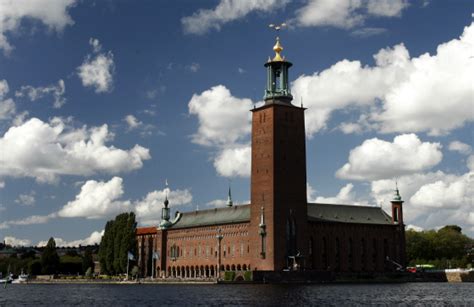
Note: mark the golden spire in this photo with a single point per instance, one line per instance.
(278, 49)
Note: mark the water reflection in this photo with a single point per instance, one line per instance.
(423, 294)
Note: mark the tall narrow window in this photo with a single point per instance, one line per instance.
(277, 80)
(363, 255)
(338, 255)
(350, 258)
(374, 253)
(324, 254)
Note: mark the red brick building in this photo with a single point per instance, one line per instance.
(279, 230)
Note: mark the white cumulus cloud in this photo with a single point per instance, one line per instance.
(226, 11)
(386, 8)
(346, 195)
(16, 242)
(93, 239)
(378, 159)
(26, 199)
(7, 106)
(460, 147)
(47, 150)
(432, 199)
(233, 162)
(346, 13)
(223, 118)
(30, 220)
(148, 209)
(428, 93)
(224, 126)
(97, 199)
(104, 199)
(52, 13)
(98, 69)
(35, 93)
(132, 122)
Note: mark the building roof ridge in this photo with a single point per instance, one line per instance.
(214, 209)
(347, 205)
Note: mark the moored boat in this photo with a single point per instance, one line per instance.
(22, 279)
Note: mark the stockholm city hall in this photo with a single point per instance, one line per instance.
(279, 230)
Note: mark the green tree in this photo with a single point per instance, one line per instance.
(34, 267)
(117, 241)
(451, 243)
(134, 272)
(447, 247)
(50, 258)
(88, 273)
(87, 261)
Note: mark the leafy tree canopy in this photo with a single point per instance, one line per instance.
(448, 244)
(117, 241)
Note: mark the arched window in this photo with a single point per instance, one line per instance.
(374, 253)
(363, 254)
(324, 254)
(338, 255)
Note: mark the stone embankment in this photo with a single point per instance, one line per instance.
(459, 275)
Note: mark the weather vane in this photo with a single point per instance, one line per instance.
(277, 27)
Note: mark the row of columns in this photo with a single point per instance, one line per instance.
(199, 272)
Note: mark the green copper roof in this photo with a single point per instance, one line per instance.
(217, 216)
(397, 197)
(316, 212)
(348, 214)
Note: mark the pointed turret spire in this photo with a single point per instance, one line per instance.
(165, 211)
(396, 196)
(278, 48)
(397, 207)
(229, 198)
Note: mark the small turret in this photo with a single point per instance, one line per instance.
(165, 211)
(397, 208)
(229, 198)
(165, 215)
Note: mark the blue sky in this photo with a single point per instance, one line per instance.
(101, 101)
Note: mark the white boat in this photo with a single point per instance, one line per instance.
(6, 280)
(22, 279)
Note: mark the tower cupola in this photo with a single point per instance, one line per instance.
(165, 211)
(397, 208)
(277, 77)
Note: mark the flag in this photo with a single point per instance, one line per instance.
(131, 256)
(156, 255)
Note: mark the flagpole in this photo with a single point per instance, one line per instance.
(128, 261)
(153, 266)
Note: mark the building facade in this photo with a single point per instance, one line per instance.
(279, 229)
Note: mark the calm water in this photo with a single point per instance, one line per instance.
(412, 294)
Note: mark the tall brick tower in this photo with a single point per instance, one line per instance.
(278, 180)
